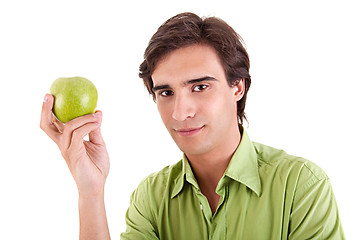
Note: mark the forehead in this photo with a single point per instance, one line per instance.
(186, 63)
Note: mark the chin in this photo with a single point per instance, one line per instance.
(192, 145)
(191, 148)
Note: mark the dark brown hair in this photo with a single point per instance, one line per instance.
(187, 29)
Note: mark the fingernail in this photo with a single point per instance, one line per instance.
(97, 114)
(46, 98)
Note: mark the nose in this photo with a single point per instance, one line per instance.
(184, 108)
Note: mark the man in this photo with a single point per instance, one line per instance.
(225, 187)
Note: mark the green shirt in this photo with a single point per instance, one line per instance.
(264, 194)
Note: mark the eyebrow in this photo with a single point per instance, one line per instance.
(192, 81)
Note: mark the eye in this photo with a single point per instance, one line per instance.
(166, 93)
(199, 88)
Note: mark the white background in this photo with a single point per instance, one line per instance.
(305, 72)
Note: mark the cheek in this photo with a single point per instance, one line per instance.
(222, 111)
(164, 112)
(218, 105)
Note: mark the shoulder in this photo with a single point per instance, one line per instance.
(161, 181)
(167, 173)
(273, 159)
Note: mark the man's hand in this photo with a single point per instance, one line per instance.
(88, 161)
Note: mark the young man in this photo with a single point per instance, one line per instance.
(225, 187)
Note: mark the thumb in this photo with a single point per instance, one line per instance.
(95, 135)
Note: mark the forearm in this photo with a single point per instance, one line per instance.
(93, 222)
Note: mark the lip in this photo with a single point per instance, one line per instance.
(188, 131)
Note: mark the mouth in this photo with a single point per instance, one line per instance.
(189, 131)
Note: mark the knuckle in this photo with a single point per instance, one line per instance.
(76, 133)
(66, 128)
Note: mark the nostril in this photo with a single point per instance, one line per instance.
(183, 108)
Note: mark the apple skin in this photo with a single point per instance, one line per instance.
(73, 97)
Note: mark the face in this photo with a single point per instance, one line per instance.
(196, 104)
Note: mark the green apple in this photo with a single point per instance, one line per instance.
(74, 97)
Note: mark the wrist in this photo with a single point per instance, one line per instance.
(93, 222)
(91, 190)
(91, 195)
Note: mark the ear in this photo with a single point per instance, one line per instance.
(239, 89)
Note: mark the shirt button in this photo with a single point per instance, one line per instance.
(201, 206)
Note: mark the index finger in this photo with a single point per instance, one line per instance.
(46, 123)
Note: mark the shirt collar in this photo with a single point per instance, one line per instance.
(243, 168)
(186, 174)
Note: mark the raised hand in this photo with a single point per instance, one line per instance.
(88, 161)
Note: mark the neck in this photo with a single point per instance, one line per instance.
(210, 167)
(215, 162)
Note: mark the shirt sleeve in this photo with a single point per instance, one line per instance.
(314, 214)
(140, 220)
